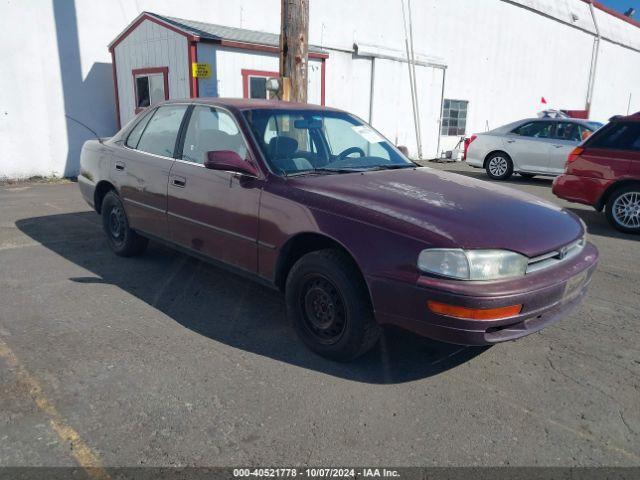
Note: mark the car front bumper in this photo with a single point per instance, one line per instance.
(546, 296)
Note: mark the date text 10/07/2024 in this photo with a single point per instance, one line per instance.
(316, 472)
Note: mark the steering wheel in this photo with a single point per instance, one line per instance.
(345, 153)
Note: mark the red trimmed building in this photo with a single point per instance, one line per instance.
(154, 57)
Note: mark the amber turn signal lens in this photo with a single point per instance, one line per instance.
(473, 313)
(575, 153)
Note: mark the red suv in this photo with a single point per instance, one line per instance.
(604, 172)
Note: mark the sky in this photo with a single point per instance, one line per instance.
(623, 5)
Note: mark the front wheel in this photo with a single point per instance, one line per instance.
(329, 306)
(499, 166)
(121, 239)
(623, 209)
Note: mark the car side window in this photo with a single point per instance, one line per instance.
(211, 129)
(136, 132)
(618, 136)
(568, 131)
(159, 136)
(534, 129)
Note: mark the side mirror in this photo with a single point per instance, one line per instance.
(404, 150)
(229, 161)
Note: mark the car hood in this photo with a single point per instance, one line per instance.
(446, 209)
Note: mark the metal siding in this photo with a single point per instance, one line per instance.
(392, 109)
(617, 77)
(208, 87)
(230, 62)
(151, 45)
(348, 82)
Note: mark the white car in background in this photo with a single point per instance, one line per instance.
(534, 146)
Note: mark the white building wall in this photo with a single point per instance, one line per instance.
(348, 82)
(151, 45)
(617, 84)
(230, 62)
(501, 55)
(504, 60)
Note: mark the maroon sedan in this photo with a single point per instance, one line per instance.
(316, 203)
(604, 172)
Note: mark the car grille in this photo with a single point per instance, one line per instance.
(557, 256)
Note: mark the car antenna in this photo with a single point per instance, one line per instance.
(80, 123)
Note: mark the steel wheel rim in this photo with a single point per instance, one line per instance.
(323, 309)
(626, 210)
(498, 166)
(117, 223)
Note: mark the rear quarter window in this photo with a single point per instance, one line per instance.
(617, 136)
(534, 129)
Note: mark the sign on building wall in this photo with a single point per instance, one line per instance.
(201, 70)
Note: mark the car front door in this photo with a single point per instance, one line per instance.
(528, 146)
(211, 211)
(565, 137)
(142, 165)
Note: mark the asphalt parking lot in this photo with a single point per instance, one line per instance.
(164, 360)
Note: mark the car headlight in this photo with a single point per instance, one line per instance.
(472, 264)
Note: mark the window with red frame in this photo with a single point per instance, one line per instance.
(254, 83)
(151, 86)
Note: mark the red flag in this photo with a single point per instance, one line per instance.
(543, 100)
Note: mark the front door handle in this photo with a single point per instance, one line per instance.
(120, 166)
(510, 141)
(178, 181)
(558, 146)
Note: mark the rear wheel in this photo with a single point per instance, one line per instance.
(121, 239)
(623, 209)
(499, 166)
(329, 306)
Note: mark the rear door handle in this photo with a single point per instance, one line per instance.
(178, 181)
(119, 165)
(558, 146)
(510, 141)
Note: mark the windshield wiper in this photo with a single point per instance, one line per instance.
(340, 170)
(393, 167)
(317, 171)
(329, 170)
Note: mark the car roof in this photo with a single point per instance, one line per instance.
(583, 121)
(510, 126)
(634, 117)
(251, 103)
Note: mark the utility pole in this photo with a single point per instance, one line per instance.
(294, 50)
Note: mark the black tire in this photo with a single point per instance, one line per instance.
(499, 166)
(329, 306)
(121, 239)
(527, 175)
(623, 209)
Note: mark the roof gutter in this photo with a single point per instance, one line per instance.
(594, 58)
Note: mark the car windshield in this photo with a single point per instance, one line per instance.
(297, 142)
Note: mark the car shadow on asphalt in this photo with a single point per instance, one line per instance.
(228, 308)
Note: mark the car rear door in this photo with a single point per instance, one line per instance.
(528, 146)
(142, 165)
(211, 211)
(565, 137)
